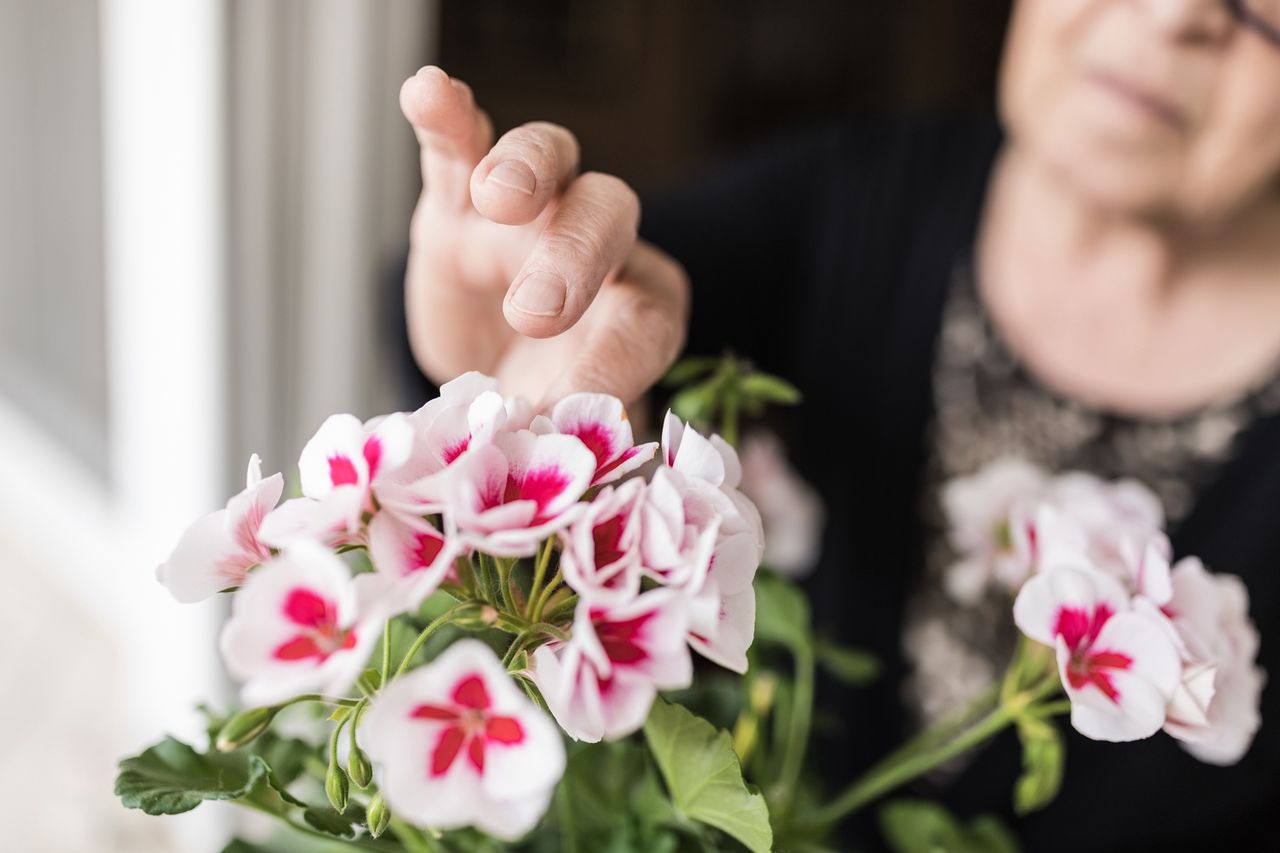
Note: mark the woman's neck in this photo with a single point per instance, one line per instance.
(1140, 315)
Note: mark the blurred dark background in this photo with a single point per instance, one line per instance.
(655, 88)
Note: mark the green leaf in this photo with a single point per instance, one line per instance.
(327, 820)
(782, 612)
(696, 404)
(919, 826)
(688, 369)
(854, 667)
(703, 776)
(239, 846)
(171, 778)
(1043, 756)
(988, 834)
(763, 388)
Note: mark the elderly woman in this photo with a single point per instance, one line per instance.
(1094, 284)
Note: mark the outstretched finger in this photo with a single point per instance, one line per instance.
(528, 167)
(453, 133)
(592, 230)
(638, 329)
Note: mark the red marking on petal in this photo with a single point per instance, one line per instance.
(607, 538)
(373, 454)
(620, 639)
(304, 607)
(504, 730)
(446, 750)
(471, 693)
(342, 471)
(433, 712)
(598, 438)
(1079, 627)
(299, 648)
(475, 751)
(426, 548)
(453, 451)
(541, 486)
(349, 640)
(608, 467)
(1093, 669)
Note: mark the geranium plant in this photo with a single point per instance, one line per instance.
(458, 636)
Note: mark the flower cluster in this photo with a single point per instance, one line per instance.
(1141, 643)
(475, 494)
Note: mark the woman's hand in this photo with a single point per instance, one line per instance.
(523, 268)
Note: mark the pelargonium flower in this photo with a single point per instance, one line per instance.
(1118, 666)
(600, 422)
(469, 412)
(991, 515)
(340, 467)
(1118, 517)
(296, 626)
(455, 743)
(722, 624)
(410, 558)
(676, 546)
(601, 684)
(217, 551)
(1210, 614)
(506, 497)
(601, 548)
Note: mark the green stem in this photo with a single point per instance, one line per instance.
(413, 839)
(948, 726)
(544, 596)
(317, 697)
(1051, 709)
(438, 623)
(484, 578)
(504, 591)
(306, 830)
(891, 773)
(539, 574)
(798, 725)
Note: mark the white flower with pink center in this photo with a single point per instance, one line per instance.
(600, 422)
(217, 551)
(410, 557)
(991, 516)
(1216, 710)
(722, 624)
(455, 743)
(1119, 667)
(600, 558)
(1118, 517)
(296, 627)
(342, 464)
(506, 497)
(601, 684)
(676, 545)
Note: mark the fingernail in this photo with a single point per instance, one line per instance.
(513, 175)
(540, 295)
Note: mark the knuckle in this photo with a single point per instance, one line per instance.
(616, 196)
(574, 249)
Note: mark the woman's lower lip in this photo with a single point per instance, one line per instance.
(1151, 105)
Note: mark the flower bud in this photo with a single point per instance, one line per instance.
(336, 787)
(378, 816)
(476, 618)
(244, 727)
(359, 768)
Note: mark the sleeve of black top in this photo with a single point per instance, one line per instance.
(743, 233)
